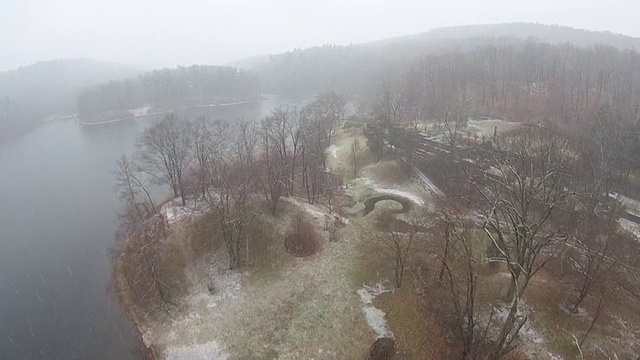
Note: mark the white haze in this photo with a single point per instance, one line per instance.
(165, 33)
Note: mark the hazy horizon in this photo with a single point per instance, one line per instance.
(162, 34)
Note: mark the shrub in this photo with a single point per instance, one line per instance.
(204, 234)
(304, 239)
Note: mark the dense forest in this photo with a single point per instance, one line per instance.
(33, 93)
(562, 85)
(355, 69)
(168, 89)
(528, 81)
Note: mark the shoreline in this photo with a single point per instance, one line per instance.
(84, 123)
(121, 288)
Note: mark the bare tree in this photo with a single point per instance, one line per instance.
(164, 151)
(313, 156)
(460, 272)
(233, 175)
(607, 139)
(591, 255)
(521, 194)
(449, 223)
(355, 157)
(331, 107)
(452, 117)
(275, 180)
(132, 191)
(207, 139)
(149, 264)
(298, 130)
(391, 113)
(396, 246)
(142, 254)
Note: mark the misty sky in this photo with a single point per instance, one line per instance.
(166, 33)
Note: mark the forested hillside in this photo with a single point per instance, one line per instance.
(168, 89)
(553, 34)
(33, 93)
(529, 81)
(358, 69)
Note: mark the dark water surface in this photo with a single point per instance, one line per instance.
(57, 223)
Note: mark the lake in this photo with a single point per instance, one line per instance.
(57, 224)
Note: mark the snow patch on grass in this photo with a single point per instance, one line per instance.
(630, 227)
(222, 284)
(207, 351)
(140, 111)
(528, 333)
(174, 210)
(632, 206)
(486, 127)
(225, 284)
(374, 316)
(318, 213)
(376, 319)
(333, 151)
(368, 293)
(368, 182)
(529, 340)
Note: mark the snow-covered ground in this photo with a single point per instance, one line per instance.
(174, 211)
(367, 181)
(375, 317)
(631, 205)
(530, 340)
(478, 127)
(630, 227)
(487, 127)
(140, 111)
(207, 351)
(333, 151)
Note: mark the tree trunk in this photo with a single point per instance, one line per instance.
(182, 194)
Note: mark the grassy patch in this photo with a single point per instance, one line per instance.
(388, 173)
(552, 322)
(203, 234)
(341, 163)
(266, 247)
(370, 267)
(363, 271)
(417, 332)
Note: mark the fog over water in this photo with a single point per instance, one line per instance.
(58, 220)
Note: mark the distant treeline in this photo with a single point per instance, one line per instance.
(170, 88)
(360, 69)
(354, 69)
(518, 78)
(33, 93)
(528, 81)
